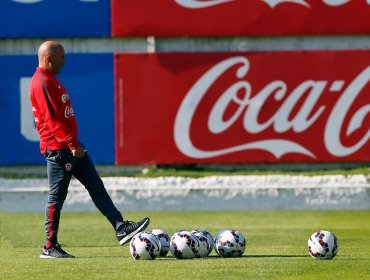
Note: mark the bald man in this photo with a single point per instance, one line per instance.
(65, 156)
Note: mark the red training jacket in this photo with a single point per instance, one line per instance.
(53, 113)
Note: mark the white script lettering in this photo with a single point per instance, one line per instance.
(200, 4)
(292, 113)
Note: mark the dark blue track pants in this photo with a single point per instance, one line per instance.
(61, 165)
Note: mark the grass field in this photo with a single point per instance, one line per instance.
(276, 246)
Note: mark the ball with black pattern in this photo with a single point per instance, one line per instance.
(204, 233)
(164, 239)
(145, 246)
(184, 245)
(323, 245)
(230, 243)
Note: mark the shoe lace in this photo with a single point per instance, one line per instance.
(130, 225)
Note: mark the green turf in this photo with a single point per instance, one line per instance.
(276, 246)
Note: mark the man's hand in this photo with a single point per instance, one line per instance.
(78, 152)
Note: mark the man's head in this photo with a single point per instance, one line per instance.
(51, 56)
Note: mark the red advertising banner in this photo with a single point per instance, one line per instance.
(239, 17)
(289, 106)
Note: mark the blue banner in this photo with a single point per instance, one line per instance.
(54, 18)
(88, 79)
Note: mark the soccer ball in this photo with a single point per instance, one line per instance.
(184, 245)
(323, 245)
(145, 246)
(230, 243)
(164, 239)
(203, 246)
(206, 246)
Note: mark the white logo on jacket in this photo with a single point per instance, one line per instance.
(65, 97)
(68, 112)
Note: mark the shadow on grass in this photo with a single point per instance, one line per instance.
(265, 256)
(276, 256)
(66, 246)
(168, 257)
(213, 257)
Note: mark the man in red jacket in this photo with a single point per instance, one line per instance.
(65, 155)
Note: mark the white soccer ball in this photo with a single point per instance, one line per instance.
(184, 245)
(145, 246)
(206, 246)
(203, 246)
(323, 245)
(164, 240)
(230, 243)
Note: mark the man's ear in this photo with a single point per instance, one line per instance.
(49, 59)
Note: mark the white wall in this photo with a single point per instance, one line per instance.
(272, 192)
